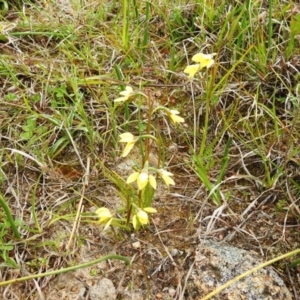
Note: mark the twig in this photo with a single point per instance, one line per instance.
(85, 184)
(64, 270)
(292, 282)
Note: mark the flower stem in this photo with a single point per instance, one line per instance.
(64, 270)
(209, 90)
(148, 130)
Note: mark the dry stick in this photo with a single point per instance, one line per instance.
(85, 184)
(237, 278)
(181, 296)
(64, 270)
(291, 281)
(41, 165)
(295, 119)
(74, 147)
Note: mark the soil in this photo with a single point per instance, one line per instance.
(161, 255)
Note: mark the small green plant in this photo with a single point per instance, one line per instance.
(10, 221)
(202, 173)
(138, 204)
(29, 128)
(7, 244)
(137, 207)
(200, 167)
(281, 205)
(6, 247)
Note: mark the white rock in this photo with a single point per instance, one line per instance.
(103, 290)
(136, 245)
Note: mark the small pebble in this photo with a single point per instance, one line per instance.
(74, 289)
(136, 245)
(172, 292)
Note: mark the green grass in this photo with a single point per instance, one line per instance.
(61, 69)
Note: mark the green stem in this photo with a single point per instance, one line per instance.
(64, 270)
(9, 217)
(149, 136)
(33, 207)
(148, 130)
(125, 24)
(3, 8)
(204, 136)
(270, 24)
(209, 90)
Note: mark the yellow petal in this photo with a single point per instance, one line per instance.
(166, 176)
(127, 149)
(107, 224)
(134, 222)
(152, 181)
(163, 172)
(205, 60)
(142, 217)
(133, 177)
(174, 112)
(127, 137)
(150, 210)
(103, 212)
(142, 180)
(127, 92)
(192, 70)
(168, 180)
(176, 119)
(121, 99)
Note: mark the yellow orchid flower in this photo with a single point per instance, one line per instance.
(192, 70)
(205, 60)
(141, 217)
(142, 178)
(105, 216)
(173, 114)
(150, 210)
(166, 176)
(126, 94)
(130, 139)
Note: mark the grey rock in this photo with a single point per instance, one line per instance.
(103, 290)
(67, 286)
(216, 264)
